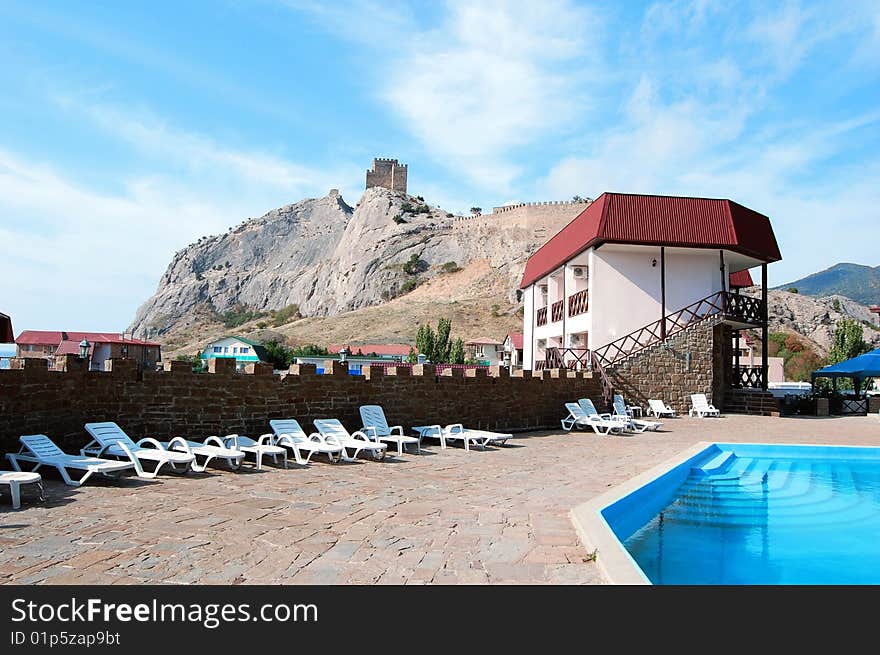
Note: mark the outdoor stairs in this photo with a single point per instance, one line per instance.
(750, 401)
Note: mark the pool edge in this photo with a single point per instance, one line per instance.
(615, 563)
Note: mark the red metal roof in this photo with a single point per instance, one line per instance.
(6, 335)
(659, 221)
(741, 279)
(54, 338)
(370, 348)
(516, 340)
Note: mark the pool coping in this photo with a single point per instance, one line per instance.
(613, 560)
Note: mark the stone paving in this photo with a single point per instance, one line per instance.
(499, 516)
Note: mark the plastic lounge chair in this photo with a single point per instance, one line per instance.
(633, 411)
(40, 450)
(335, 433)
(636, 424)
(17, 478)
(456, 432)
(109, 439)
(701, 407)
(289, 433)
(212, 448)
(376, 428)
(577, 417)
(660, 409)
(259, 448)
(603, 423)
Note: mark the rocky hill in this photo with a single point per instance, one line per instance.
(322, 258)
(817, 317)
(861, 283)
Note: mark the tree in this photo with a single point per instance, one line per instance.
(577, 199)
(442, 344)
(476, 211)
(279, 355)
(456, 355)
(412, 358)
(848, 342)
(425, 341)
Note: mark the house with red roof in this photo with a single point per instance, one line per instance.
(99, 346)
(631, 261)
(513, 349)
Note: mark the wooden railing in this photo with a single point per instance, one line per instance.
(579, 303)
(556, 310)
(570, 358)
(748, 377)
(541, 318)
(723, 303)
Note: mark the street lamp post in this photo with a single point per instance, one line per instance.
(84, 346)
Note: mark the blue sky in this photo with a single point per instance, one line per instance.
(131, 129)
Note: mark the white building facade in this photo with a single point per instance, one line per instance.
(626, 262)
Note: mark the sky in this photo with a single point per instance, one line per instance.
(129, 130)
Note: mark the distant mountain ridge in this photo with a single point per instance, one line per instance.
(861, 283)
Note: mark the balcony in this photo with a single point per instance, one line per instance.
(579, 303)
(541, 318)
(556, 310)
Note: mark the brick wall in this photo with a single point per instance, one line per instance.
(663, 371)
(179, 402)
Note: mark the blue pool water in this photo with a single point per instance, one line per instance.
(753, 514)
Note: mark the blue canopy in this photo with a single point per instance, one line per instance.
(863, 366)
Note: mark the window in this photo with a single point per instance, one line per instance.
(218, 349)
(235, 350)
(225, 349)
(30, 348)
(244, 351)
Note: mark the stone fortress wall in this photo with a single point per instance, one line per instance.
(553, 213)
(387, 173)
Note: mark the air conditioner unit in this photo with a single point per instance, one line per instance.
(576, 339)
(541, 343)
(579, 272)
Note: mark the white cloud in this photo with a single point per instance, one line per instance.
(492, 77)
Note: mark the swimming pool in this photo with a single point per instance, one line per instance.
(756, 514)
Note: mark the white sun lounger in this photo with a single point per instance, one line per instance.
(376, 428)
(635, 424)
(109, 439)
(602, 423)
(212, 448)
(289, 433)
(335, 433)
(457, 432)
(701, 407)
(40, 450)
(259, 448)
(660, 409)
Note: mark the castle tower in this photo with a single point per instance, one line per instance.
(387, 173)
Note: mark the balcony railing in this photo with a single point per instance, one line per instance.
(570, 358)
(541, 317)
(556, 310)
(579, 303)
(748, 377)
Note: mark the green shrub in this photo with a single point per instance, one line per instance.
(450, 267)
(409, 285)
(792, 290)
(414, 265)
(399, 219)
(239, 315)
(836, 305)
(277, 354)
(285, 315)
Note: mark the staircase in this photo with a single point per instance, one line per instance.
(750, 401)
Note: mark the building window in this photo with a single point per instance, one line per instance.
(244, 351)
(218, 349)
(234, 350)
(225, 350)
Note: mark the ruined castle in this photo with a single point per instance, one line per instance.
(387, 173)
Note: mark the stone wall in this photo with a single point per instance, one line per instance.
(387, 173)
(539, 215)
(195, 405)
(690, 362)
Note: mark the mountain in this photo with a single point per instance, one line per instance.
(861, 283)
(301, 265)
(816, 318)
